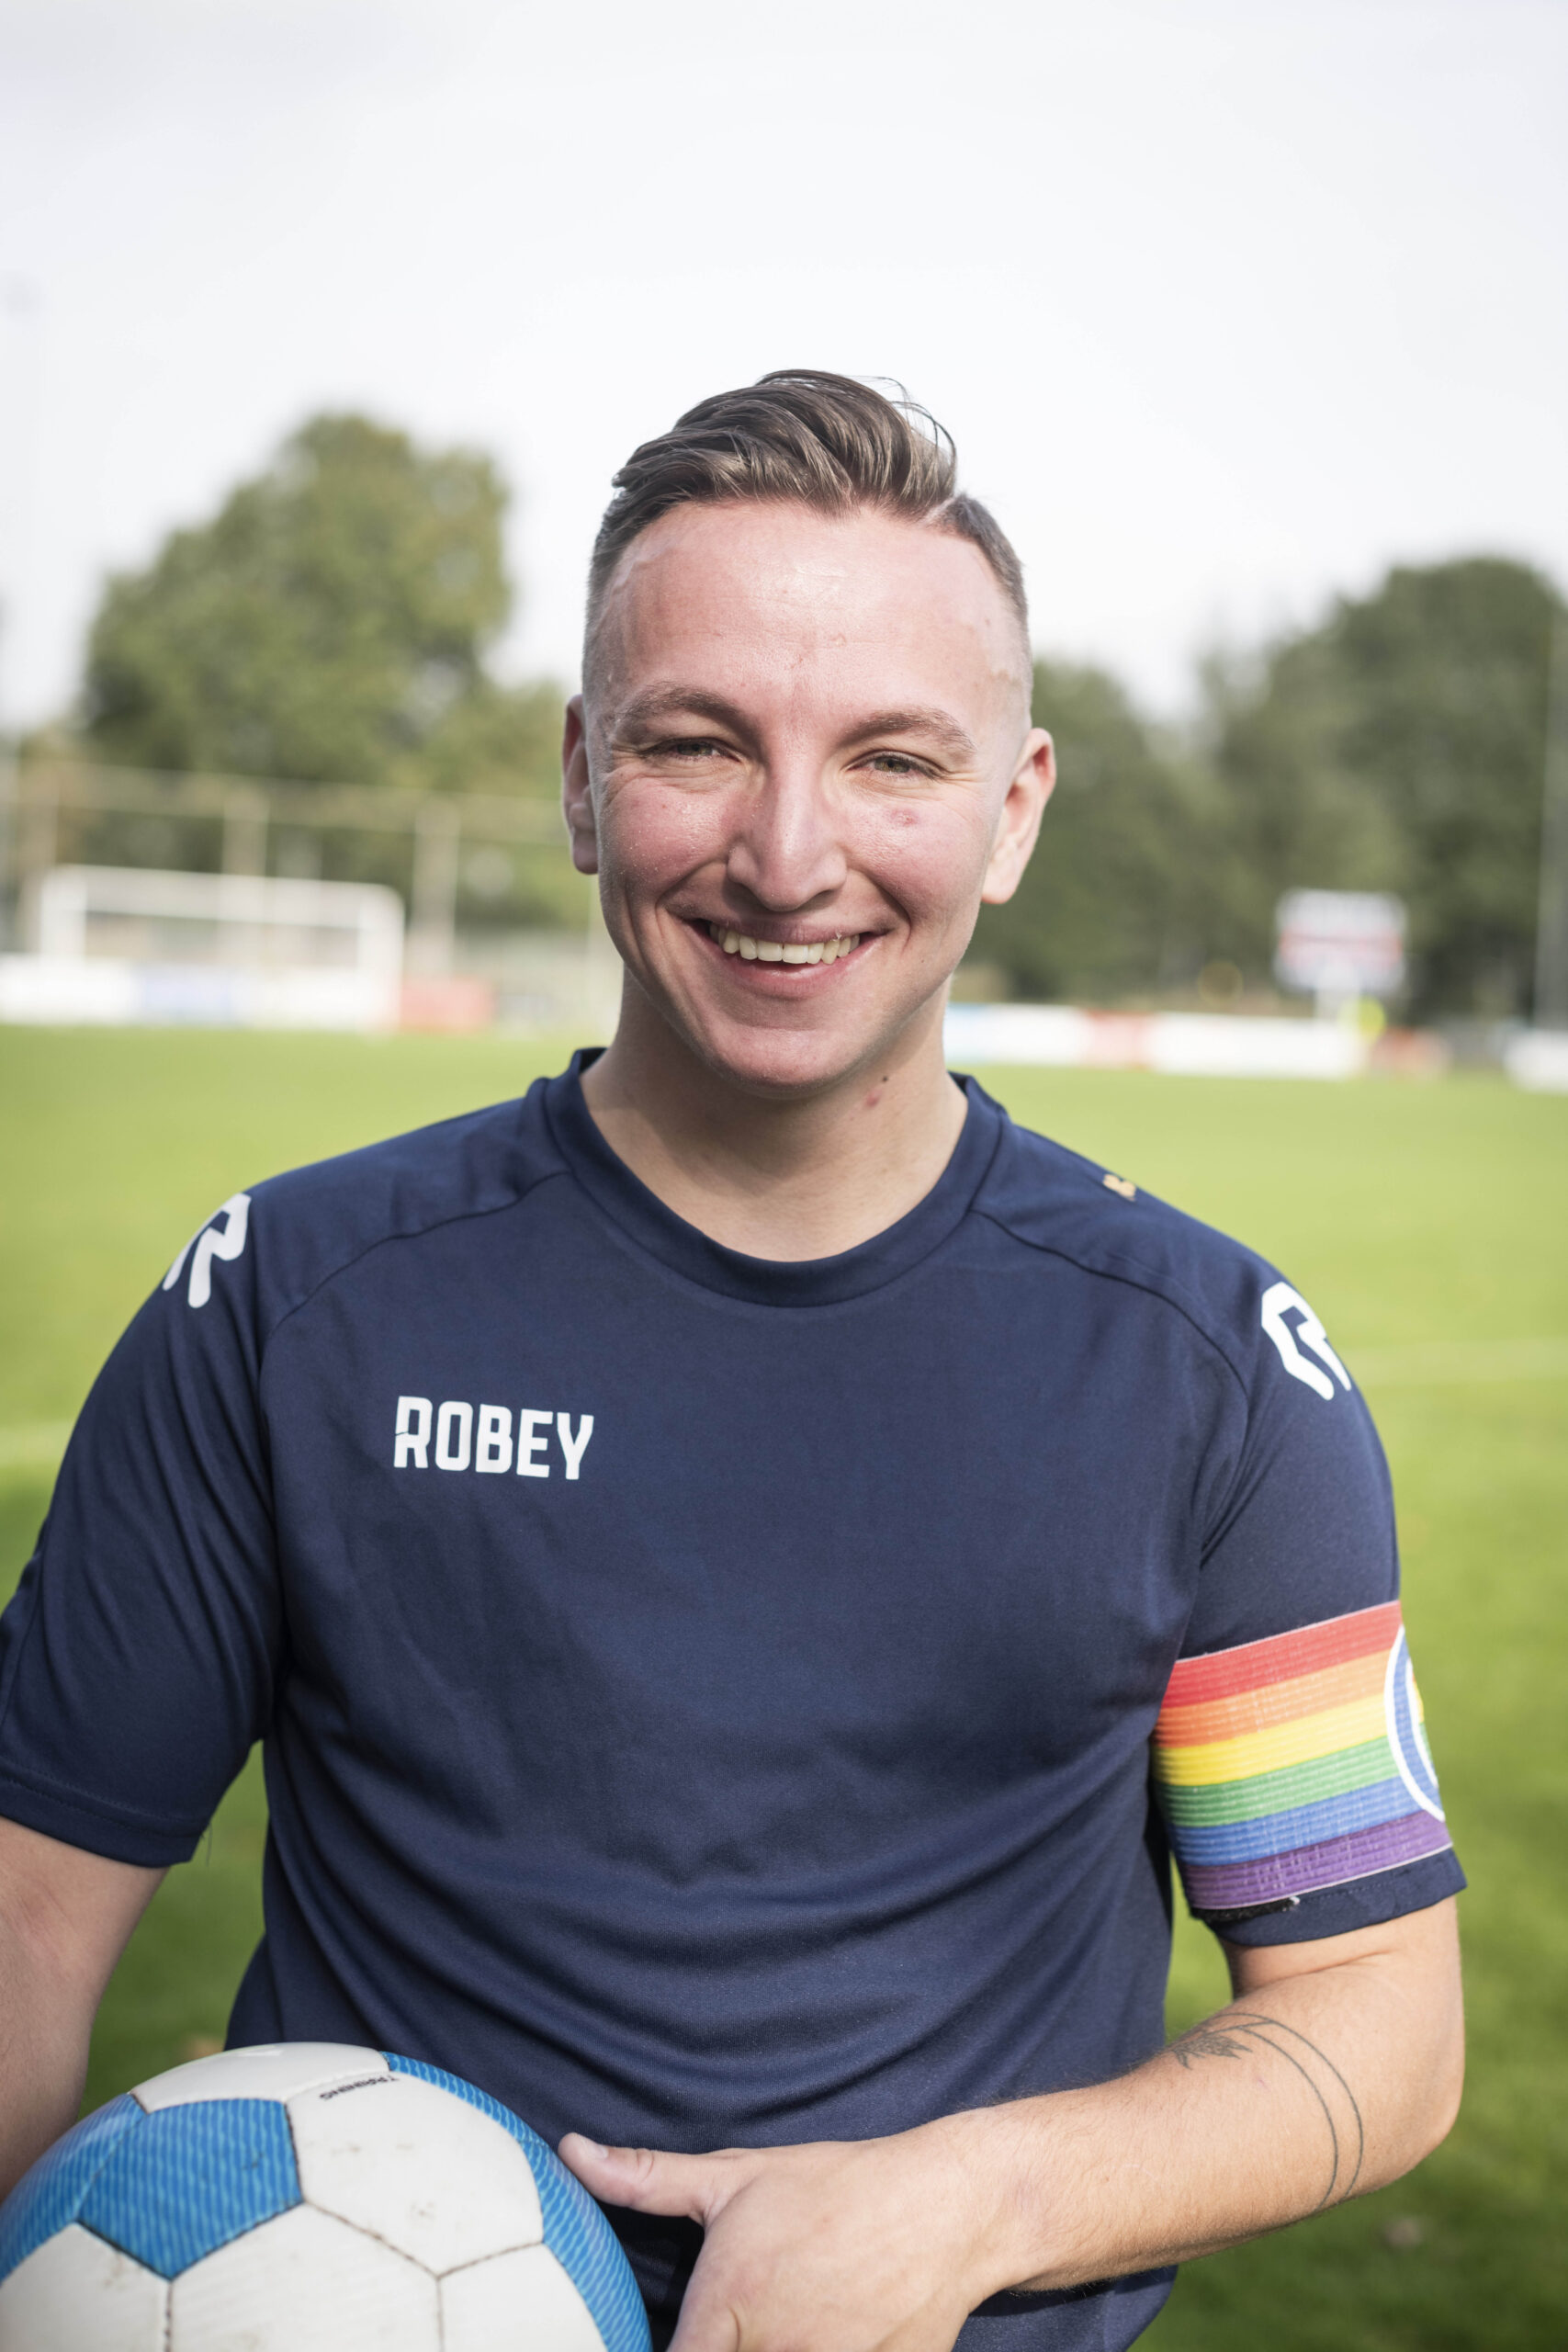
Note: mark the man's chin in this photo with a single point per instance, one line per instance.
(779, 1068)
(781, 1064)
(777, 1051)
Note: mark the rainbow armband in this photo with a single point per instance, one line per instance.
(1301, 1762)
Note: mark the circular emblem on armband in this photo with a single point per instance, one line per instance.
(1407, 1733)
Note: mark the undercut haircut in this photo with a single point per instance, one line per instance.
(802, 436)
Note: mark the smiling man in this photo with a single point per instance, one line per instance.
(746, 1563)
(802, 756)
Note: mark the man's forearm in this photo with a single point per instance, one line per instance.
(64, 1918)
(1308, 2089)
(1336, 2069)
(43, 2059)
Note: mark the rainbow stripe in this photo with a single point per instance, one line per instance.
(1296, 1763)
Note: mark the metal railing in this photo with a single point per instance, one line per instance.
(36, 794)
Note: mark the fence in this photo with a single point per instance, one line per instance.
(494, 903)
(230, 824)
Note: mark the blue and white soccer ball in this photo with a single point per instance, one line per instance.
(310, 2197)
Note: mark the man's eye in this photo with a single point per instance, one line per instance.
(895, 763)
(686, 746)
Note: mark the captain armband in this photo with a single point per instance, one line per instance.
(1285, 1766)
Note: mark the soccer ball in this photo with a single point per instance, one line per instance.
(309, 2197)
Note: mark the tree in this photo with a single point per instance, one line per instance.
(1117, 898)
(1401, 746)
(330, 624)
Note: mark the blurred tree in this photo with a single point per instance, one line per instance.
(329, 622)
(1400, 746)
(1117, 899)
(495, 738)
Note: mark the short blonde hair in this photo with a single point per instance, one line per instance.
(800, 435)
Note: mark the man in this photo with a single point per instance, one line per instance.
(709, 1549)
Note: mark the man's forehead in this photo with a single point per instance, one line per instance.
(740, 586)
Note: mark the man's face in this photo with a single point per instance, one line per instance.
(804, 762)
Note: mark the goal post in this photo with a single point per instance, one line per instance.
(132, 945)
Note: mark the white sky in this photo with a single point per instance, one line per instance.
(1228, 303)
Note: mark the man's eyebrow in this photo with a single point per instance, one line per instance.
(659, 703)
(936, 725)
(646, 709)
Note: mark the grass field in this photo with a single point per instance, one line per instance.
(1428, 1225)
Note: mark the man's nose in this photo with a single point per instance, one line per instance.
(785, 848)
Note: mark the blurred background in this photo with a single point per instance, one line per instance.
(324, 325)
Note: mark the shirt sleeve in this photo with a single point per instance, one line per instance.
(139, 1657)
(1290, 1761)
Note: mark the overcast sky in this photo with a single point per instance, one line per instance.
(1227, 305)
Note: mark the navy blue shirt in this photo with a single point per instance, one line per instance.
(705, 1700)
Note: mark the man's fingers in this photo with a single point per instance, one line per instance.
(644, 2178)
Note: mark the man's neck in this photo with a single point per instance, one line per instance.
(783, 1179)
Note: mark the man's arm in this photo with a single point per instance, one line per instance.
(1338, 2066)
(66, 1917)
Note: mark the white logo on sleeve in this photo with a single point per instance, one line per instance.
(212, 1242)
(481, 1438)
(1308, 1333)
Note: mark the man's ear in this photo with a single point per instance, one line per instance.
(1033, 781)
(576, 795)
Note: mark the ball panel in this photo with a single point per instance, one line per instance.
(429, 2173)
(271, 2070)
(524, 2134)
(306, 2283)
(591, 2253)
(51, 2195)
(76, 2294)
(515, 2303)
(575, 2229)
(193, 2178)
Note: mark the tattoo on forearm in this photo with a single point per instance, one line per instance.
(1236, 2033)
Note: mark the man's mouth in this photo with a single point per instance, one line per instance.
(775, 951)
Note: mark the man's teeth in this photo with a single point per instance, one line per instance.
(769, 951)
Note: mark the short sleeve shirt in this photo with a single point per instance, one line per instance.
(708, 1700)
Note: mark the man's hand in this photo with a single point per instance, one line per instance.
(864, 2245)
(1337, 2069)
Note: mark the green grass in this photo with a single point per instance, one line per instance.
(1417, 1219)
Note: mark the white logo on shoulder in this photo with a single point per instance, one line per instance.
(212, 1242)
(1309, 1332)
